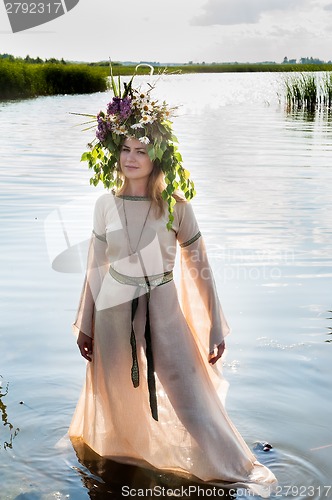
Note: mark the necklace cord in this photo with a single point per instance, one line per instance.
(131, 250)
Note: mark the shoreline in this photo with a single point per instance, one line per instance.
(19, 79)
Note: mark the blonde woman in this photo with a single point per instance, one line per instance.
(153, 395)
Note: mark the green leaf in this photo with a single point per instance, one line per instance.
(178, 156)
(186, 174)
(164, 195)
(170, 189)
(159, 153)
(151, 152)
(86, 156)
(114, 87)
(84, 114)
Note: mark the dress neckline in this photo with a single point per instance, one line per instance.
(133, 198)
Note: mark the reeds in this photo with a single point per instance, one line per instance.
(330, 329)
(19, 79)
(11, 431)
(308, 91)
(327, 90)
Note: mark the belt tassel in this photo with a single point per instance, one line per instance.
(134, 368)
(150, 366)
(149, 357)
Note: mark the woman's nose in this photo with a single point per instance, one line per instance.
(131, 156)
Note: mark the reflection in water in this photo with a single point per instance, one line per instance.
(305, 115)
(106, 479)
(299, 476)
(8, 443)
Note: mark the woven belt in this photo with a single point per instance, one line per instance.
(146, 282)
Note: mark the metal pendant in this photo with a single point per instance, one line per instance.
(133, 258)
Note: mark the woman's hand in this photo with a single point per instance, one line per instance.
(214, 356)
(85, 345)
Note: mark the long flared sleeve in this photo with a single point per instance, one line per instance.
(199, 296)
(97, 266)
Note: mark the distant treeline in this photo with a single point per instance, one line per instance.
(20, 79)
(224, 68)
(32, 60)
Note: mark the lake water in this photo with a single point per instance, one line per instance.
(264, 205)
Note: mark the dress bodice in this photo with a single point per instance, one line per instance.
(119, 218)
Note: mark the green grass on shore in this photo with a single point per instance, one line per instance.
(224, 68)
(19, 79)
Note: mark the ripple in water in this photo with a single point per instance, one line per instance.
(298, 478)
(274, 344)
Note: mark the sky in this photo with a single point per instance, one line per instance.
(179, 31)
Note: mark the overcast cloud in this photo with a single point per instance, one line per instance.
(179, 31)
(240, 11)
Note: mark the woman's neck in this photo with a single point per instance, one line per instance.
(135, 189)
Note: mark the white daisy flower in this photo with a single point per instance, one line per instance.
(146, 119)
(146, 107)
(136, 125)
(142, 106)
(120, 130)
(135, 101)
(144, 140)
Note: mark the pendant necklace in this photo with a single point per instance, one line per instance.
(133, 256)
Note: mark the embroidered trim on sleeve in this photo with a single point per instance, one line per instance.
(189, 242)
(101, 237)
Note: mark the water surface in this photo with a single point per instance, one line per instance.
(264, 206)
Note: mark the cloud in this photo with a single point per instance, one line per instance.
(328, 6)
(230, 12)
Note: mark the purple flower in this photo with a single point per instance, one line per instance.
(113, 108)
(125, 108)
(102, 127)
(119, 106)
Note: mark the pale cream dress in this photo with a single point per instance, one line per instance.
(193, 432)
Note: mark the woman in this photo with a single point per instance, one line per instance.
(152, 391)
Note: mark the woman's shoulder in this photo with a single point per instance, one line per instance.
(181, 203)
(183, 212)
(179, 197)
(105, 199)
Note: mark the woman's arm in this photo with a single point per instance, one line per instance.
(200, 301)
(97, 266)
(85, 345)
(196, 269)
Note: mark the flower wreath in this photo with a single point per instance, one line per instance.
(137, 114)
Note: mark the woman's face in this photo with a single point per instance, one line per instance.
(135, 162)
